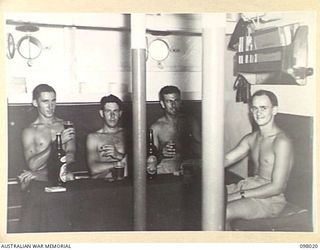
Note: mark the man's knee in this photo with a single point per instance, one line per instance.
(230, 213)
(237, 209)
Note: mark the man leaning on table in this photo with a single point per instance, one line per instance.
(39, 137)
(106, 148)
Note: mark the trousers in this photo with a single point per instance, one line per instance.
(258, 207)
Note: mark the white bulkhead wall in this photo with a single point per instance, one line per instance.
(85, 64)
(82, 65)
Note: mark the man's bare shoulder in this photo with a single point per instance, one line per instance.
(282, 139)
(58, 120)
(93, 138)
(250, 137)
(95, 134)
(30, 130)
(159, 124)
(33, 126)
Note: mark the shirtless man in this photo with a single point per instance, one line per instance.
(106, 147)
(38, 139)
(176, 135)
(261, 196)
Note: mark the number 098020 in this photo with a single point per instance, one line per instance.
(308, 246)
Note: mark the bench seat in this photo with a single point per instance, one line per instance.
(291, 219)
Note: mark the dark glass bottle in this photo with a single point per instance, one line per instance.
(61, 160)
(152, 157)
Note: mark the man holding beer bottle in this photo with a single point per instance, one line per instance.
(38, 139)
(176, 135)
(106, 148)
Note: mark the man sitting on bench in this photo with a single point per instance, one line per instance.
(261, 196)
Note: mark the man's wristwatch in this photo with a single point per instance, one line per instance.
(242, 193)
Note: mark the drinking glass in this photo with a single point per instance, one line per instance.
(67, 124)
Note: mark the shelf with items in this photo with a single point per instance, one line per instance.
(261, 60)
(278, 55)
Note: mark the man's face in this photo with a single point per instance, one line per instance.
(111, 114)
(171, 103)
(46, 104)
(262, 110)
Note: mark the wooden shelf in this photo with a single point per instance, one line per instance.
(259, 67)
(261, 61)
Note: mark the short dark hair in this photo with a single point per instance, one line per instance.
(272, 97)
(169, 89)
(41, 88)
(110, 98)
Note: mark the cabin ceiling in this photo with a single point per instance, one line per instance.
(154, 21)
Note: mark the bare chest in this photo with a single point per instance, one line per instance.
(170, 132)
(263, 156)
(42, 139)
(117, 140)
(44, 136)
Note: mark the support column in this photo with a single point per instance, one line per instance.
(138, 54)
(213, 208)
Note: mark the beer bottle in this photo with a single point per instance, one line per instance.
(152, 159)
(61, 162)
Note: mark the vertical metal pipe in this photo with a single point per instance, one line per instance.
(213, 209)
(138, 54)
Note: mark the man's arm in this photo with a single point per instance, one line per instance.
(69, 144)
(96, 165)
(238, 153)
(281, 170)
(35, 160)
(165, 151)
(155, 129)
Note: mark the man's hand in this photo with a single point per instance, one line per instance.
(25, 178)
(67, 135)
(169, 150)
(111, 151)
(234, 196)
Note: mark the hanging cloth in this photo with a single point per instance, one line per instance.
(243, 88)
(241, 29)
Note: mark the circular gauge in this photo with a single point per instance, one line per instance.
(11, 47)
(29, 47)
(158, 50)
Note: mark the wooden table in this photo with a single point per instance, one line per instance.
(173, 203)
(100, 205)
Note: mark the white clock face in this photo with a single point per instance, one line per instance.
(158, 50)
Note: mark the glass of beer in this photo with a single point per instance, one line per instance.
(67, 124)
(118, 171)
